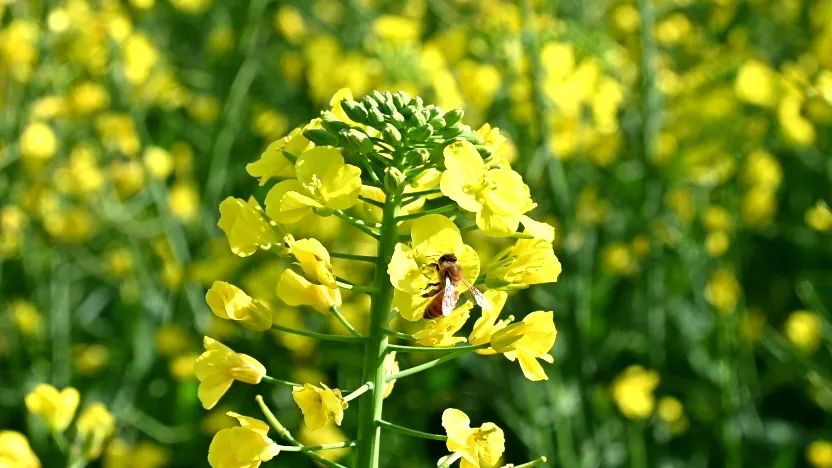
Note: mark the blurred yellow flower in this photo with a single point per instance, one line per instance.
(497, 195)
(819, 217)
(396, 29)
(632, 391)
(219, 366)
(819, 454)
(320, 405)
(803, 329)
(231, 303)
(204, 109)
(269, 123)
(57, 408)
(26, 318)
(529, 261)
(480, 447)
(140, 56)
(95, 425)
(142, 455)
(158, 161)
(89, 359)
(289, 22)
(118, 133)
(245, 227)
(15, 451)
(183, 201)
(182, 367)
(756, 83)
(38, 142)
(717, 243)
(723, 291)
(88, 97)
(245, 446)
(391, 366)
(672, 412)
(618, 259)
(329, 434)
(19, 48)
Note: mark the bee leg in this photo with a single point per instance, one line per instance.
(432, 292)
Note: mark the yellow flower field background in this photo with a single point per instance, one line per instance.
(222, 222)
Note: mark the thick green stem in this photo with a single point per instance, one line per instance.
(369, 434)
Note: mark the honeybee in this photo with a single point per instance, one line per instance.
(445, 293)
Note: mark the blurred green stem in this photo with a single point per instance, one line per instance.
(320, 336)
(635, 442)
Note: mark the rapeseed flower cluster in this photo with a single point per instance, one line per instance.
(393, 154)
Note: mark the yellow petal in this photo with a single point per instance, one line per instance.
(212, 388)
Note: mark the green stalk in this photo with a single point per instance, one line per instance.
(369, 433)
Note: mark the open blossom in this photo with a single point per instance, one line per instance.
(529, 261)
(525, 341)
(219, 366)
(230, 302)
(15, 451)
(323, 181)
(244, 446)
(411, 268)
(496, 193)
(320, 405)
(479, 447)
(245, 227)
(537, 334)
(56, 407)
(273, 163)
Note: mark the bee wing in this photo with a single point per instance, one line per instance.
(449, 297)
(479, 297)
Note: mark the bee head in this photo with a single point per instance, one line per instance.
(447, 258)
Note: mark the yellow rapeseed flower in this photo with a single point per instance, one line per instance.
(480, 447)
(411, 268)
(803, 330)
(158, 161)
(329, 434)
(723, 291)
(38, 142)
(320, 405)
(57, 408)
(142, 455)
(819, 217)
(245, 227)
(313, 259)
(497, 194)
(219, 366)
(672, 412)
(440, 331)
(295, 290)
(95, 425)
(243, 446)
(15, 451)
(537, 335)
(487, 325)
(756, 83)
(529, 261)
(397, 29)
(274, 163)
(26, 317)
(819, 454)
(232, 303)
(632, 391)
(323, 182)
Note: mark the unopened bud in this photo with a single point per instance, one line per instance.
(391, 134)
(354, 110)
(320, 137)
(453, 116)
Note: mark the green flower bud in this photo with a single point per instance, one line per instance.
(453, 116)
(420, 133)
(320, 137)
(391, 134)
(354, 110)
(358, 140)
(332, 124)
(375, 117)
(397, 117)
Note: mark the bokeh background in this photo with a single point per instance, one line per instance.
(681, 147)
